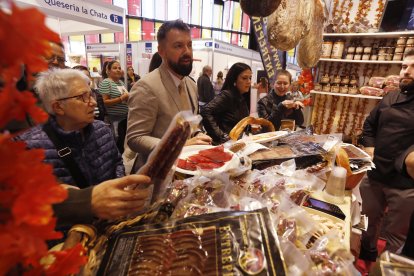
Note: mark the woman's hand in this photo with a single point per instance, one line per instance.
(298, 104)
(199, 139)
(289, 104)
(124, 97)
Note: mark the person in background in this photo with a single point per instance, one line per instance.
(132, 77)
(262, 88)
(155, 62)
(96, 186)
(162, 93)
(100, 110)
(205, 87)
(218, 84)
(115, 97)
(57, 56)
(230, 106)
(104, 67)
(277, 106)
(388, 136)
(295, 92)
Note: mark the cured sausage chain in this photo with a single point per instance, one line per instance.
(162, 158)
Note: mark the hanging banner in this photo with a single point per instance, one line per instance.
(272, 58)
(129, 54)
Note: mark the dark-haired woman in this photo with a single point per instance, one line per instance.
(230, 106)
(115, 98)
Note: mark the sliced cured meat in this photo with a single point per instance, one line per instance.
(186, 165)
(217, 154)
(197, 158)
(210, 165)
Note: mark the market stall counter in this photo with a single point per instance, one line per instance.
(265, 216)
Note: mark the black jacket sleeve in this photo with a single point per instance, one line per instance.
(370, 127)
(76, 209)
(211, 113)
(400, 162)
(205, 89)
(271, 111)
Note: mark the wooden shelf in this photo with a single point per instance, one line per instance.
(361, 61)
(373, 35)
(346, 95)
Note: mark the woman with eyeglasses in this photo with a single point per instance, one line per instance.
(115, 98)
(222, 113)
(278, 105)
(82, 152)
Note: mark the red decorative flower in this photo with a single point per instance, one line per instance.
(28, 188)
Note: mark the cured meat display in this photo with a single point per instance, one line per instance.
(310, 47)
(207, 159)
(224, 243)
(371, 91)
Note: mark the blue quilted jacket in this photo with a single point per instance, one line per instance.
(96, 153)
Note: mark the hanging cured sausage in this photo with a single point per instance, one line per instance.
(309, 49)
(265, 8)
(289, 23)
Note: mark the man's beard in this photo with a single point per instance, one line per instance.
(181, 69)
(407, 86)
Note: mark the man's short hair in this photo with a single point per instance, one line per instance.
(409, 53)
(55, 84)
(168, 26)
(284, 73)
(206, 69)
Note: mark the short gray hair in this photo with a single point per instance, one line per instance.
(206, 68)
(55, 84)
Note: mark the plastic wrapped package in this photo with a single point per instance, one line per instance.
(391, 89)
(310, 46)
(371, 91)
(376, 82)
(289, 23)
(392, 80)
(205, 195)
(165, 154)
(225, 243)
(297, 263)
(329, 256)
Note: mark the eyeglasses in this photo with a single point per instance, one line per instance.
(86, 97)
(59, 59)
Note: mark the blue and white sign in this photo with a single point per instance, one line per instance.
(90, 11)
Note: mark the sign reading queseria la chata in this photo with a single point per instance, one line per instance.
(90, 11)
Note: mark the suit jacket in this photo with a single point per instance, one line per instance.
(153, 102)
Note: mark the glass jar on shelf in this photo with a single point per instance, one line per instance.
(353, 81)
(343, 89)
(408, 48)
(326, 88)
(335, 88)
(345, 80)
(399, 49)
(397, 56)
(317, 87)
(336, 79)
(338, 49)
(325, 79)
(326, 49)
(402, 40)
(353, 90)
(366, 56)
(358, 56)
(410, 40)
